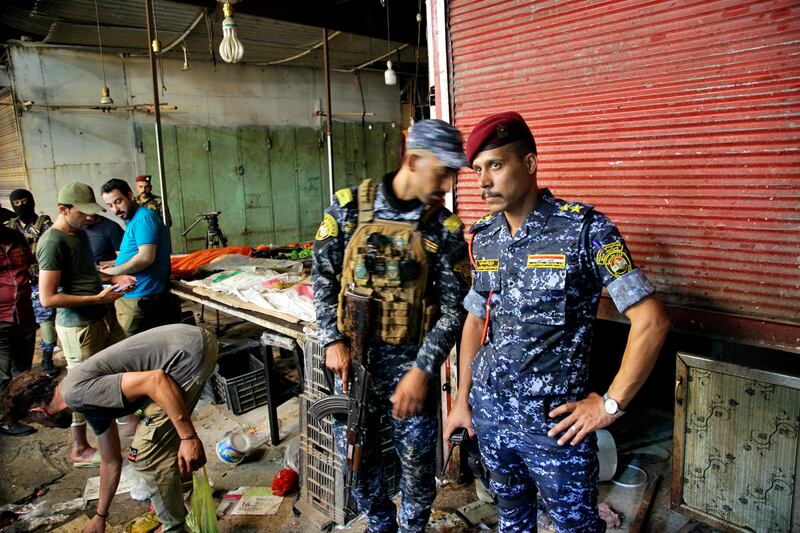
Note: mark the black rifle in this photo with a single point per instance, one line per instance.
(360, 316)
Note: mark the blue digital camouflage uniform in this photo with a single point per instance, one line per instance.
(414, 437)
(32, 234)
(545, 285)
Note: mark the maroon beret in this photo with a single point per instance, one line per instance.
(495, 131)
(143, 178)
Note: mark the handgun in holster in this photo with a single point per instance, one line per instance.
(361, 313)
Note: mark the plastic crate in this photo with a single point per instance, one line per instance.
(240, 380)
(315, 383)
(322, 469)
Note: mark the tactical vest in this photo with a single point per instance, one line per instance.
(385, 259)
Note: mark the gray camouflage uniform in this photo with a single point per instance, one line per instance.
(414, 437)
(545, 285)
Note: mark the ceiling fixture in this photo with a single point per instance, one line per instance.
(389, 76)
(230, 48)
(185, 56)
(105, 94)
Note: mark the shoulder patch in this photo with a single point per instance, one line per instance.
(453, 223)
(328, 228)
(483, 222)
(614, 257)
(345, 196)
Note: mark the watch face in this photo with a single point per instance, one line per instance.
(611, 406)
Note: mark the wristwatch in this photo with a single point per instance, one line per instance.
(611, 406)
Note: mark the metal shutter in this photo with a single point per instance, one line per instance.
(679, 120)
(12, 165)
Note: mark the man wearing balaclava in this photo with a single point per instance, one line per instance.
(33, 226)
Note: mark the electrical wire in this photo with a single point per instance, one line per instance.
(100, 40)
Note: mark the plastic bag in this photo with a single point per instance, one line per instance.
(203, 516)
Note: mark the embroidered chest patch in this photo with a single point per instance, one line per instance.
(558, 261)
(487, 265)
(430, 246)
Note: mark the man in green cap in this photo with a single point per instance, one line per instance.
(69, 281)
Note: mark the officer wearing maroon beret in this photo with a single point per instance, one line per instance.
(145, 197)
(539, 264)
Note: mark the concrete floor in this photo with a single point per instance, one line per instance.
(41, 461)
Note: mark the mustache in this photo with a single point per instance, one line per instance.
(489, 194)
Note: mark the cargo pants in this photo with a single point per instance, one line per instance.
(154, 450)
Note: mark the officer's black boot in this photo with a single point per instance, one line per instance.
(47, 361)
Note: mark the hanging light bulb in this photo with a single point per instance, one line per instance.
(105, 94)
(230, 49)
(389, 76)
(185, 56)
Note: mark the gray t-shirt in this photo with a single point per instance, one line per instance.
(94, 387)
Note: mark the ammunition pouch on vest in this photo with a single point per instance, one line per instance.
(385, 260)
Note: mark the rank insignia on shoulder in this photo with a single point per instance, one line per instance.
(558, 261)
(328, 228)
(430, 246)
(345, 196)
(571, 208)
(482, 222)
(614, 258)
(453, 223)
(487, 265)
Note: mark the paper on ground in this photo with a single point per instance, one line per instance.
(257, 501)
(127, 480)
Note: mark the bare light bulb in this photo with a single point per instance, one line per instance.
(185, 56)
(105, 96)
(389, 76)
(230, 49)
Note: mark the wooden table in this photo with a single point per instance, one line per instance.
(282, 324)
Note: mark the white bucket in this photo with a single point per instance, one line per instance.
(606, 455)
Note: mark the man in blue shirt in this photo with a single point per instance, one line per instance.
(145, 252)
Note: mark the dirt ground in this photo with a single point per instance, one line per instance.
(40, 462)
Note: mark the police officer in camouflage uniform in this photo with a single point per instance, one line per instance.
(402, 375)
(146, 198)
(539, 264)
(33, 226)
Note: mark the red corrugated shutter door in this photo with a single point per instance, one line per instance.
(679, 120)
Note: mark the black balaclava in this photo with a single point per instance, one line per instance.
(25, 212)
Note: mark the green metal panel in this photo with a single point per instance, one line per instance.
(254, 156)
(341, 178)
(309, 181)
(195, 184)
(376, 151)
(269, 183)
(226, 183)
(392, 146)
(147, 134)
(285, 197)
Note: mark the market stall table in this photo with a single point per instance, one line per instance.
(289, 330)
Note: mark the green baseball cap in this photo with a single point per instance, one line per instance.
(80, 196)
